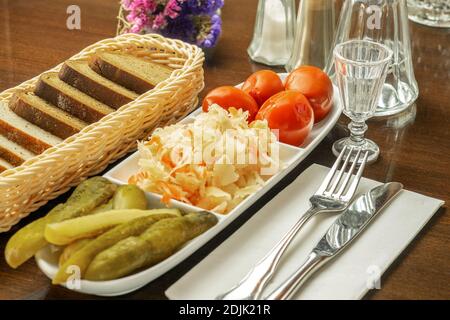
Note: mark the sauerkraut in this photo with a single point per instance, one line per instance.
(213, 163)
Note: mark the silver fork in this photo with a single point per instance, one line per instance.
(332, 196)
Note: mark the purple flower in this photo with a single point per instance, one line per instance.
(182, 28)
(172, 9)
(193, 21)
(209, 28)
(139, 12)
(197, 7)
(159, 22)
(140, 5)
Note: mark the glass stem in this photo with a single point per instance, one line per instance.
(357, 130)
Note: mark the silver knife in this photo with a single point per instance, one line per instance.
(341, 233)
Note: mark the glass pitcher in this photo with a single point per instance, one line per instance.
(384, 21)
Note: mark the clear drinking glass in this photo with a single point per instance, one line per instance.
(433, 13)
(361, 67)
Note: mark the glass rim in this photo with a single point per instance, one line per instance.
(338, 55)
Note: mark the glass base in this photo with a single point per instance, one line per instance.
(367, 145)
(433, 13)
(269, 61)
(395, 100)
(430, 23)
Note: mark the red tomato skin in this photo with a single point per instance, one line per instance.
(291, 113)
(316, 86)
(263, 84)
(227, 97)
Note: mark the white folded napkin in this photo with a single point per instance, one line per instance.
(349, 276)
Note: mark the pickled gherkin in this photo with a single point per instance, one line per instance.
(128, 201)
(65, 232)
(86, 197)
(72, 248)
(129, 197)
(83, 257)
(125, 197)
(104, 207)
(155, 244)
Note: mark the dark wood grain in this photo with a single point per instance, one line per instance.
(415, 145)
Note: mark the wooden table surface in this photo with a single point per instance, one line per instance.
(415, 146)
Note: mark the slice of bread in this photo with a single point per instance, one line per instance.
(13, 153)
(45, 115)
(69, 99)
(132, 72)
(25, 133)
(5, 165)
(79, 75)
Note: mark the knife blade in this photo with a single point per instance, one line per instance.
(339, 236)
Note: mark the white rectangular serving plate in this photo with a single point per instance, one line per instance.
(47, 259)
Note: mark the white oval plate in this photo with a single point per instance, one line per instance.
(47, 259)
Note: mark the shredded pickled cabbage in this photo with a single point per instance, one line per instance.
(214, 162)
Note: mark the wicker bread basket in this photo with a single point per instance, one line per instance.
(44, 177)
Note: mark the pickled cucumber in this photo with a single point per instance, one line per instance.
(104, 207)
(86, 197)
(83, 257)
(155, 244)
(72, 248)
(65, 232)
(129, 197)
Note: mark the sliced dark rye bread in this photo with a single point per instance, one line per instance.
(5, 165)
(13, 153)
(69, 99)
(24, 133)
(45, 115)
(79, 75)
(134, 73)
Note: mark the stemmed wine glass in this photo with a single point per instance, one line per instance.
(361, 69)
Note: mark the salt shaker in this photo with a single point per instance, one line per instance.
(273, 35)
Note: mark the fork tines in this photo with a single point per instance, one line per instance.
(341, 182)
